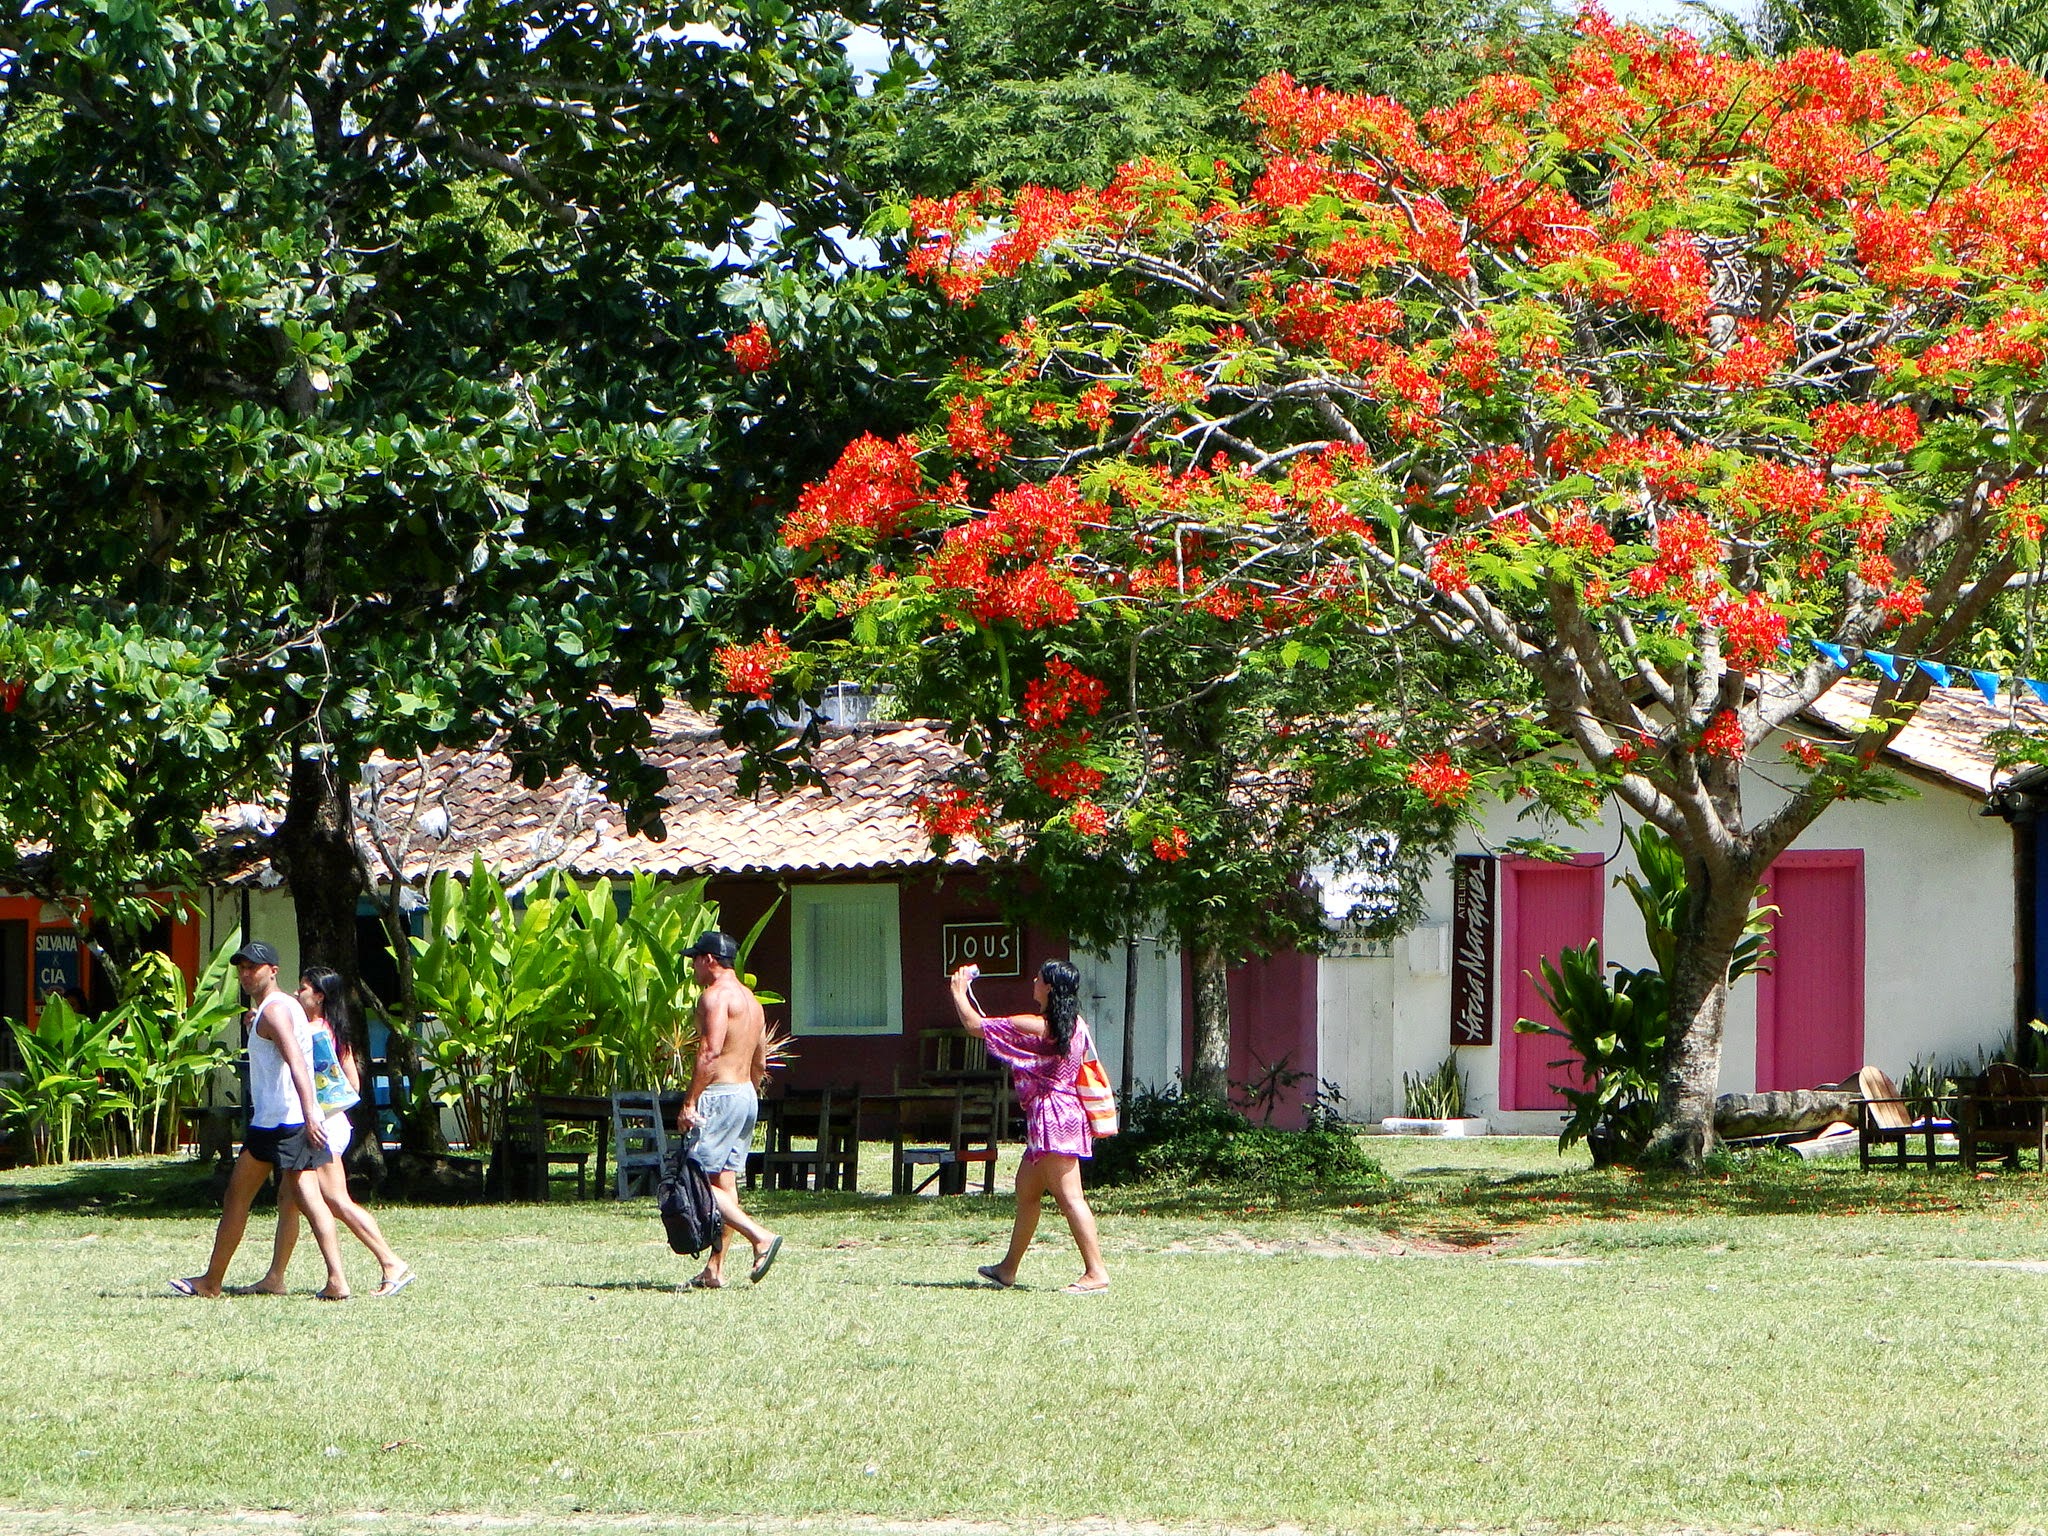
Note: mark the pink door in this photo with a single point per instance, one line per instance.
(1809, 1005)
(1544, 908)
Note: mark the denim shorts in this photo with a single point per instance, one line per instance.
(724, 1132)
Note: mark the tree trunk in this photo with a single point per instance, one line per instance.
(1208, 1074)
(1707, 935)
(314, 848)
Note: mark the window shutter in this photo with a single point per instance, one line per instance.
(847, 969)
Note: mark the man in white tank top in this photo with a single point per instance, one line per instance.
(285, 1127)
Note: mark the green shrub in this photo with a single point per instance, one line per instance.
(1438, 1095)
(1169, 1137)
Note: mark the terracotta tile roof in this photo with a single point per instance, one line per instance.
(862, 818)
(1948, 736)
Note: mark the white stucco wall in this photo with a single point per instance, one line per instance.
(1941, 954)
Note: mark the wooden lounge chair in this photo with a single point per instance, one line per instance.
(1885, 1118)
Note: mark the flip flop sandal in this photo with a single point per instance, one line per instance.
(183, 1287)
(323, 1296)
(250, 1290)
(767, 1261)
(393, 1287)
(989, 1273)
(1078, 1289)
(700, 1283)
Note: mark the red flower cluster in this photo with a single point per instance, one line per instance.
(1446, 564)
(753, 350)
(1807, 754)
(1171, 848)
(1093, 409)
(869, 495)
(1088, 818)
(969, 435)
(1441, 781)
(1834, 426)
(999, 560)
(1049, 700)
(1723, 737)
(1053, 769)
(958, 812)
(1758, 352)
(752, 668)
(1493, 473)
(1751, 631)
(1578, 529)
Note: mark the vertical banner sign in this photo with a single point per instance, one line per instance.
(56, 960)
(1472, 909)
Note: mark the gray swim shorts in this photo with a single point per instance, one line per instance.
(724, 1132)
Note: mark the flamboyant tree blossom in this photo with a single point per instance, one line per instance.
(1623, 379)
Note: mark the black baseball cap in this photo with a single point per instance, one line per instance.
(721, 947)
(256, 952)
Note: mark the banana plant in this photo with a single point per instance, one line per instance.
(165, 1045)
(62, 1096)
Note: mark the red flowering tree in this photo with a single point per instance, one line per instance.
(1620, 378)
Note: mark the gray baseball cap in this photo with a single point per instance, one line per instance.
(721, 947)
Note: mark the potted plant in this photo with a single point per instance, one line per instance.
(1433, 1104)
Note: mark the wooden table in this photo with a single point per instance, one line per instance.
(594, 1110)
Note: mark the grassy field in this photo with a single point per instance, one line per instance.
(1501, 1339)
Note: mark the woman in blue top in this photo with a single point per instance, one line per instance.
(338, 1085)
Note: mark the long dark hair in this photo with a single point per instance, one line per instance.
(1062, 1002)
(333, 1001)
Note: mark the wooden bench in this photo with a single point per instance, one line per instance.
(2002, 1113)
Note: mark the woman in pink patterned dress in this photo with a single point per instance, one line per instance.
(1044, 1051)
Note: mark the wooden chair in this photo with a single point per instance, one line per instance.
(639, 1143)
(1884, 1118)
(2002, 1112)
(954, 1058)
(972, 1140)
(542, 1159)
(827, 1124)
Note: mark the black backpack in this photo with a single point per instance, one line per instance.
(687, 1209)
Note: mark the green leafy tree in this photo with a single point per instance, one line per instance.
(1626, 375)
(2014, 29)
(384, 375)
(1062, 92)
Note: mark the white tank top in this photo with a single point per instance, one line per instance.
(273, 1101)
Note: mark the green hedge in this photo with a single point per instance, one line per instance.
(1168, 1137)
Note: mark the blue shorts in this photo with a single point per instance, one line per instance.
(724, 1132)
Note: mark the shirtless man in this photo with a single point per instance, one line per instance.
(719, 1111)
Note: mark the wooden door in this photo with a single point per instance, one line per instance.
(1544, 908)
(1809, 1005)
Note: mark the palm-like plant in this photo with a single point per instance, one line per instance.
(2012, 29)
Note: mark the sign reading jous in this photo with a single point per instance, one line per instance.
(995, 947)
(1472, 909)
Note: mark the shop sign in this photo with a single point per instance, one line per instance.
(56, 961)
(1472, 922)
(996, 947)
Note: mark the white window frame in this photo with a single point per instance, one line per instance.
(886, 904)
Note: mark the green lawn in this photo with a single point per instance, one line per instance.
(1503, 1339)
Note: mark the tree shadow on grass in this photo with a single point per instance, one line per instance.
(138, 1187)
